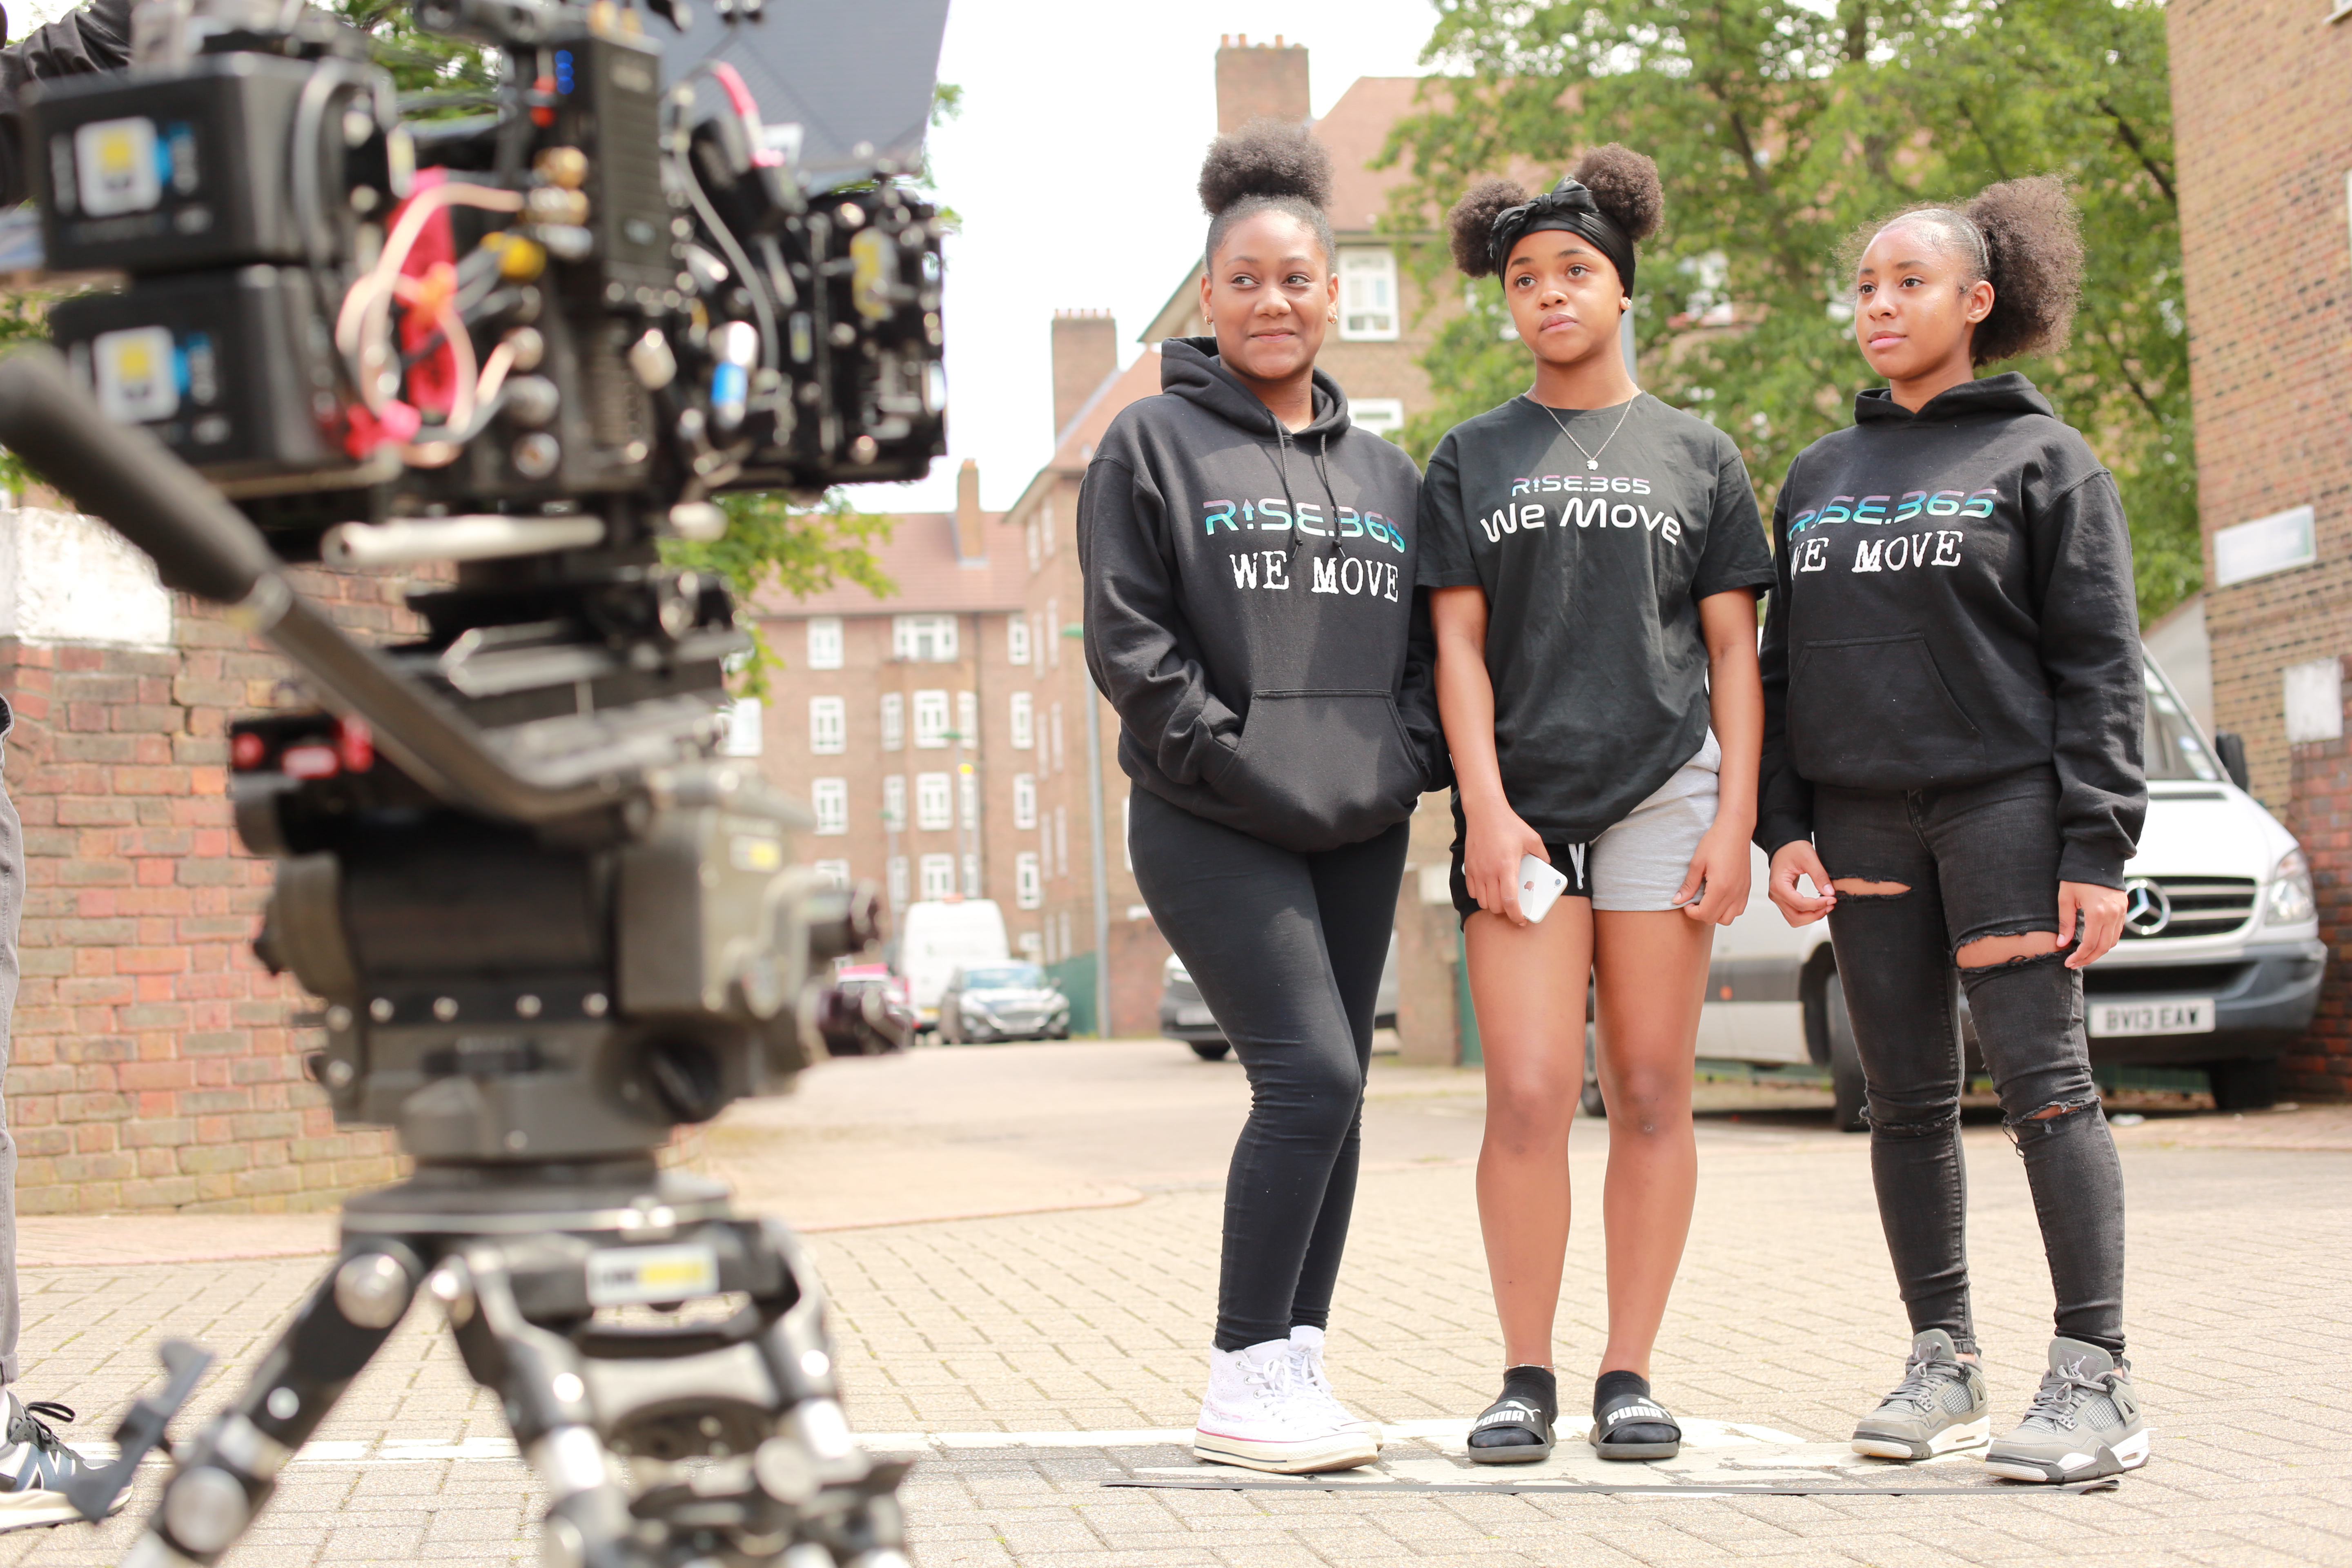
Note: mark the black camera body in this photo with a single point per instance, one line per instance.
(534, 340)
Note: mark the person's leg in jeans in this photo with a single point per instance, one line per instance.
(1998, 845)
(1285, 975)
(1894, 961)
(1355, 899)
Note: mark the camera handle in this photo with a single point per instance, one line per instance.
(200, 544)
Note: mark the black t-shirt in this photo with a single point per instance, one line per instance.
(1593, 576)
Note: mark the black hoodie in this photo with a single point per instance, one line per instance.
(1954, 602)
(1251, 612)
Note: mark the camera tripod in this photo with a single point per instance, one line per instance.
(713, 1442)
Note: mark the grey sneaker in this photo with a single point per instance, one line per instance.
(35, 1466)
(2085, 1423)
(1939, 1407)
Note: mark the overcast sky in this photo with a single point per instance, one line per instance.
(1072, 166)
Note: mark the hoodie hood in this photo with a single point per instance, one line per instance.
(2007, 394)
(1190, 369)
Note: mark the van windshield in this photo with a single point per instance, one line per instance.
(1006, 978)
(2174, 749)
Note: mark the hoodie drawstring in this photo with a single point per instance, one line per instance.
(1320, 458)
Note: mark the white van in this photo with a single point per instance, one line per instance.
(2219, 967)
(937, 935)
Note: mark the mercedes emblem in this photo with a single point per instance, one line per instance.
(2147, 911)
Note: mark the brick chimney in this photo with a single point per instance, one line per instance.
(1085, 353)
(971, 541)
(1260, 81)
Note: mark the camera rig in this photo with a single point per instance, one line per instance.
(547, 924)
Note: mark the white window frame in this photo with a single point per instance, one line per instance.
(1059, 754)
(971, 876)
(1028, 881)
(937, 874)
(894, 721)
(968, 792)
(931, 709)
(1367, 294)
(829, 800)
(741, 737)
(923, 639)
(1053, 633)
(1062, 840)
(934, 802)
(824, 642)
(1024, 801)
(1022, 731)
(968, 718)
(831, 873)
(896, 874)
(894, 802)
(1384, 417)
(828, 726)
(1016, 638)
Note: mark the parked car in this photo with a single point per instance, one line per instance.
(860, 977)
(936, 935)
(984, 1002)
(2219, 967)
(1184, 1016)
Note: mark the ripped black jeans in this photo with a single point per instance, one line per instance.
(1979, 860)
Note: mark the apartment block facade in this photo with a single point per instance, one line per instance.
(2263, 132)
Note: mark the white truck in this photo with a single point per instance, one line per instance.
(2219, 967)
(936, 936)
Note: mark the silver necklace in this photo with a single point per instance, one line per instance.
(1592, 459)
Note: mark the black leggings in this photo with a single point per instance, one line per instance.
(1287, 949)
(1976, 860)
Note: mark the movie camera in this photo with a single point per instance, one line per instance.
(529, 329)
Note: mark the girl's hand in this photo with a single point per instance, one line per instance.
(1491, 849)
(2102, 912)
(1794, 860)
(1720, 868)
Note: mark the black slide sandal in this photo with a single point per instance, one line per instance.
(1519, 1424)
(1627, 1424)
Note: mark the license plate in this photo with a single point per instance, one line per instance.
(2192, 1017)
(630, 1276)
(1189, 1018)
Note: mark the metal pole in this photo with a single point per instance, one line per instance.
(1102, 869)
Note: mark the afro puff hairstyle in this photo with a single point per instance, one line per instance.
(2031, 252)
(1267, 164)
(1623, 183)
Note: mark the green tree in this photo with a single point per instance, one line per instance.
(775, 544)
(1778, 129)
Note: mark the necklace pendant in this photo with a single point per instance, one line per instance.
(1592, 463)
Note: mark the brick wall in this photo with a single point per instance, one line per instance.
(155, 1062)
(2264, 137)
(2322, 819)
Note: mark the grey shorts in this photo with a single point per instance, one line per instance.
(1640, 862)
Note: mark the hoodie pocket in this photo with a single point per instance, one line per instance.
(1874, 714)
(1318, 769)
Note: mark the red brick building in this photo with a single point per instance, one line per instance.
(2262, 93)
(154, 1063)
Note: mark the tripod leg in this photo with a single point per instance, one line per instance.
(536, 1373)
(224, 1476)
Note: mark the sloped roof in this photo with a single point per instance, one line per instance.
(920, 557)
(1356, 131)
(1079, 438)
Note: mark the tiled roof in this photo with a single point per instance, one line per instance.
(1077, 450)
(1355, 131)
(921, 558)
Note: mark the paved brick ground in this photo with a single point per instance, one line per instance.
(2240, 1300)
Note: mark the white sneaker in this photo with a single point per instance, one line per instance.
(1254, 1416)
(1306, 1377)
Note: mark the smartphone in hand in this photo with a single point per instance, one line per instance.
(1540, 886)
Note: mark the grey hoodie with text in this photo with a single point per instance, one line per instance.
(1250, 610)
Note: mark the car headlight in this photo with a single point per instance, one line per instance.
(2288, 900)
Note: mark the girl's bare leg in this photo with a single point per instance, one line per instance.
(1528, 983)
(1650, 968)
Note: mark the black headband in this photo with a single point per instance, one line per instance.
(1569, 206)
